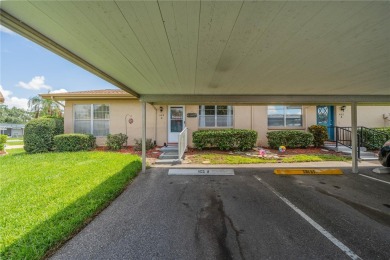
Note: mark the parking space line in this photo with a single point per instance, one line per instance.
(374, 178)
(334, 240)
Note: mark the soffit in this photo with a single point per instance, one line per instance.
(167, 49)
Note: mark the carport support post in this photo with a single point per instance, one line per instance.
(143, 136)
(354, 138)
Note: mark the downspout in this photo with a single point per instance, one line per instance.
(251, 117)
(305, 118)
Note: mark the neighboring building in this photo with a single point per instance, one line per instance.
(102, 112)
(12, 130)
(1, 98)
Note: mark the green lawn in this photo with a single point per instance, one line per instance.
(14, 143)
(15, 151)
(45, 198)
(238, 159)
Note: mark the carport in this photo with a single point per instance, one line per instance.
(222, 52)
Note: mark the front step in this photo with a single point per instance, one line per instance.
(170, 155)
(364, 155)
(341, 148)
(169, 149)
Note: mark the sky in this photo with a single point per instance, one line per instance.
(27, 69)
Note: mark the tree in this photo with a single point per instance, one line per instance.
(14, 115)
(44, 107)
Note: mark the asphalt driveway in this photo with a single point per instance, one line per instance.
(250, 215)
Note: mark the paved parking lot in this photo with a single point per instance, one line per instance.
(251, 215)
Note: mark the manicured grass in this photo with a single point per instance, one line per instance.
(46, 197)
(8, 143)
(238, 159)
(14, 141)
(15, 151)
(313, 158)
(229, 159)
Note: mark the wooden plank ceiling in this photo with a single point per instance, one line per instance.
(224, 48)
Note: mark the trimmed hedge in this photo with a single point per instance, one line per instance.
(320, 134)
(289, 139)
(229, 139)
(39, 134)
(3, 140)
(374, 140)
(116, 141)
(74, 142)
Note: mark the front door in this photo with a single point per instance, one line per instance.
(325, 116)
(175, 123)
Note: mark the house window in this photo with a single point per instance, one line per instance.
(215, 116)
(92, 119)
(285, 116)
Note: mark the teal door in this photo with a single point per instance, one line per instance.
(325, 116)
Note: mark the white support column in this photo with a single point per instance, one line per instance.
(143, 136)
(354, 138)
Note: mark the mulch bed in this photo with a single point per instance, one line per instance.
(289, 151)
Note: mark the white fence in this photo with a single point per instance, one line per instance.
(182, 145)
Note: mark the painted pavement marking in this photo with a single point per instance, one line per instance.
(334, 240)
(202, 172)
(306, 171)
(374, 178)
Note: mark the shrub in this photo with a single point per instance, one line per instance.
(374, 140)
(289, 138)
(39, 134)
(116, 141)
(3, 140)
(138, 144)
(74, 142)
(320, 134)
(240, 139)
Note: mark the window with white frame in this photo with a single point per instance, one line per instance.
(215, 116)
(285, 116)
(92, 119)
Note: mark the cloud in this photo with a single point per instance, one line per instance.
(11, 101)
(37, 83)
(59, 91)
(5, 30)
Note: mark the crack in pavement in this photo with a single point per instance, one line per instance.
(211, 231)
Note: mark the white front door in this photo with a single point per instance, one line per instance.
(175, 123)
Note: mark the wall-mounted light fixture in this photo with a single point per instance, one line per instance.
(161, 109)
(343, 108)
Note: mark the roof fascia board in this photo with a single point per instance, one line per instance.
(267, 99)
(87, 97)
(28, 32)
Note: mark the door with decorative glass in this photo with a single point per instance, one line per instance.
(325, 117)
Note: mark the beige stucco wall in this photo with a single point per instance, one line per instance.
(368, 116)
(245, 117)
(251, 117)
(120, 113)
